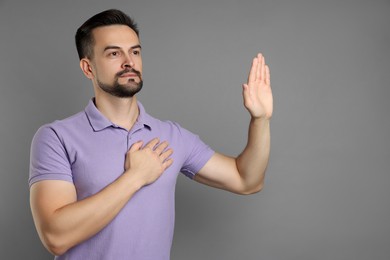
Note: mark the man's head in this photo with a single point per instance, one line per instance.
(110, 53)
(84, 38)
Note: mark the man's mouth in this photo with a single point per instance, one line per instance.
(130, 73)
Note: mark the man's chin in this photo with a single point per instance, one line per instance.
(122, 90)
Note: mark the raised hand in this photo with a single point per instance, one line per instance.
(148, 162)
(257, 91)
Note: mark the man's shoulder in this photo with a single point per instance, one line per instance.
(165, 125)
(72, 122)
(172, 130)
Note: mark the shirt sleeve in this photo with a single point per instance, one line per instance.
(197, 153)
(48, 157)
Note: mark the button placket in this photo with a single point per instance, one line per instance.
(137, 127)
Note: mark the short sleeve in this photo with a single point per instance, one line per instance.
(198, 153)
(48, 157)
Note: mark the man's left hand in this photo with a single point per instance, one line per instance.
(257, 91)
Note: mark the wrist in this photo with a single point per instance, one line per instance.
(133, 180)
(260, 120)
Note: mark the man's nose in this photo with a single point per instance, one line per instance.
(128, 62)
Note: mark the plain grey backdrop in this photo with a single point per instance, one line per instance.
(327, 187)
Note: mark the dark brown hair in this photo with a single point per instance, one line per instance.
(84, 37)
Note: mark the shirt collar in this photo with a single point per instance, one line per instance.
(144, 118)
(99, 122)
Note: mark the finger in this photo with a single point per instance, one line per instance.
(262, 68)
(252, 72)
(167, 163)
(259, 66)
(165, 155)
(246, 94)
(161, 147)
(136, 146)
(152, 143)
(267, 76)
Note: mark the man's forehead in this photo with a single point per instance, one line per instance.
(114, 35)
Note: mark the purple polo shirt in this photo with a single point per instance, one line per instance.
(89, 151)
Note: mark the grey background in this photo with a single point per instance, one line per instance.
(327, 187)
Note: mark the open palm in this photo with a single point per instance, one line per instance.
(257, 92)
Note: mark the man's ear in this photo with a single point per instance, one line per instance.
(86, 67)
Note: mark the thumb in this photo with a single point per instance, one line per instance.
(246, 94)
(136, 146)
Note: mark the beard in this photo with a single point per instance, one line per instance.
(126, 90)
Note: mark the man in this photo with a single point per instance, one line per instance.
(102, 181)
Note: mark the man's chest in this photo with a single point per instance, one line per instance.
(100, 160)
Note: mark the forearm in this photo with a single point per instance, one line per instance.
(253, 161)
(78, 221)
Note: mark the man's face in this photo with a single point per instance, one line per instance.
(117, 62)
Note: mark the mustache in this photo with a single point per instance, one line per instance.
(120, 73)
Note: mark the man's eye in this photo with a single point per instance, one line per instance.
(136, 52)
(114, 53)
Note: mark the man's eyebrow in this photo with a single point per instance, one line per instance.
(113, 47)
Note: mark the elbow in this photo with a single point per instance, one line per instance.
(251, 190)
(54, 244)
(55, 249)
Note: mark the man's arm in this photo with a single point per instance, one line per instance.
(63, 222)
(245, 174)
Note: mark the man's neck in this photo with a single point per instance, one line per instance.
(120, 111)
